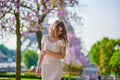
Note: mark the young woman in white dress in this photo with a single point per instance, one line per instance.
(52, 51)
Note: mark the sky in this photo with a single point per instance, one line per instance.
(101, 18)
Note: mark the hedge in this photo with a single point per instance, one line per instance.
(31, 76)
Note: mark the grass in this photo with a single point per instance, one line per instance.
(21, 79)
(5, 78)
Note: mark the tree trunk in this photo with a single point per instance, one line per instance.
(18, 48)
(39, 37)
(70, 65)
(39, 33)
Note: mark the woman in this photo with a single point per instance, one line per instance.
(52, 51)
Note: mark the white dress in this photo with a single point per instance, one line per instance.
(51, 66)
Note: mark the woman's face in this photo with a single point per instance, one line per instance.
(57, 33)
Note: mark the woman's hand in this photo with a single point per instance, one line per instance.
(48, 52)
(45, 52)
(38, 72)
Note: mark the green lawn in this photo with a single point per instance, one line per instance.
(5, 78)
(21, 79)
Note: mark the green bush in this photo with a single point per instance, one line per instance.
(29, 76)
(67, 78)
(23, 76)
(7, 75)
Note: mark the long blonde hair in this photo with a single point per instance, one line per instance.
(56, 25)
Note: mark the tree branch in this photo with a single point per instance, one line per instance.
(5, 13)
(25, 6)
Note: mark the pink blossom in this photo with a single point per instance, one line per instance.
(25, 33)
(36, 1)
(28, 17)
(61, 13)
(12, 1)
(13, 18)
(45, 11)
(39, 16)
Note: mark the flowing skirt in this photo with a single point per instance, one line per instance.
(51, 68)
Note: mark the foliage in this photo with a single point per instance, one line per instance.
(94, 54)
(32, 76)
(4, 49)
(30, 58)
(101, 53)
(6, 75)
(7, 52)
(31, 13)
(115, 63)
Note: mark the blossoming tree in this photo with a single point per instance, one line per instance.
(23, 16)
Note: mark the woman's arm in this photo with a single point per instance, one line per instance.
(41, 57)
(40, 60)
(59, 55)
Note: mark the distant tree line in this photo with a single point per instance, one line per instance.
(9, 53)
(105, 54)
